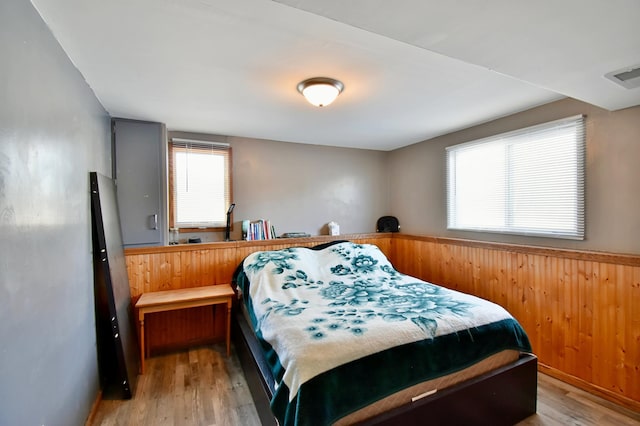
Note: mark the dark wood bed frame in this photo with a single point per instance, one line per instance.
(500, 397)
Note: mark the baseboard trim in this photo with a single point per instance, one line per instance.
(94, 409)
(590, 387)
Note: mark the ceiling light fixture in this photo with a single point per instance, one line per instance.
(320, 91)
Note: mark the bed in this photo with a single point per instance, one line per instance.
(335, 335)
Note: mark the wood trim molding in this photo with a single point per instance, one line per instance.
(590, 387)
(593, 256)
(94, 409)
(225, 245)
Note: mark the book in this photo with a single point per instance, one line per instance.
(260, 229)
(295, 235)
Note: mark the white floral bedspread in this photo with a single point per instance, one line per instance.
(321, 309)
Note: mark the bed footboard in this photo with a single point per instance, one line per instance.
(503, 396)
(500, 397)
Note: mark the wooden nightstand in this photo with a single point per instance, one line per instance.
(161, 301)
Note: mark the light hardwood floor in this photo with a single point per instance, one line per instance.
(202, 387)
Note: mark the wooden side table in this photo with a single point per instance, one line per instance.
(169, 300)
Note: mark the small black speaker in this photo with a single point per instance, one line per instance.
(388, 224)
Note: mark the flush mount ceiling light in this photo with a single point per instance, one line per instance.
(320, 91)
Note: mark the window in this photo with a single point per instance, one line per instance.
(527, 182)
(199, 184)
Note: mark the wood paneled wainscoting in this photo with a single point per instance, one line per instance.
(581, 310)
(194, 265)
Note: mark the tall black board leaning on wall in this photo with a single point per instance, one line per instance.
(115, 327)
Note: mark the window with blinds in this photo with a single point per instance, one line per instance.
(199, 184)
(526, 182)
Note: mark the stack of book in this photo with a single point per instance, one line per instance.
(258, 230)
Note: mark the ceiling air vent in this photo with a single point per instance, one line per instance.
(626, 77)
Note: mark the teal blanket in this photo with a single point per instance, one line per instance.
(341, 328)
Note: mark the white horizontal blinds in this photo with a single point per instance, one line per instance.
(201, 183)
(529, 181)
(476, 191)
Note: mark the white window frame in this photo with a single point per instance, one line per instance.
(495, 184)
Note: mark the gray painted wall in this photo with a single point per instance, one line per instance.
(53, 131)
(301, 187)
(417, 177)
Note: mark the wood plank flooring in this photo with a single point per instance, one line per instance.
(202, 387)
(197, 387)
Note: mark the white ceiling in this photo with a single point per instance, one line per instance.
(412, 69)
